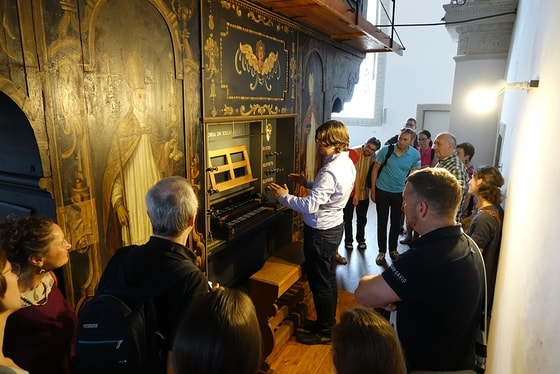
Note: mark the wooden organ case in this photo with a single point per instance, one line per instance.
(245, 225)
(282, 299)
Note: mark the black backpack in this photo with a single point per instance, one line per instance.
(368, 176)
(117, 328)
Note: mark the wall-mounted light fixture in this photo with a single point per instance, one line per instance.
(482, 100)
(526, 85)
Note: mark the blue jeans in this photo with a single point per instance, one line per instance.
(319, 248)
(385, 201)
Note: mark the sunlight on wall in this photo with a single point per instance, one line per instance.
(362, 104)
(363, 99)
(482, 100)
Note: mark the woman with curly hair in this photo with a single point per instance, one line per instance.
(486, 223)
(9, 303)
(40, 336)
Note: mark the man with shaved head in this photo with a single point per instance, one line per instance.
(444, 145)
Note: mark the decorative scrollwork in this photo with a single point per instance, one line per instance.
(257, 109)
(259, 18)
(228, 110)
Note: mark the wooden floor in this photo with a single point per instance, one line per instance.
(296, 358)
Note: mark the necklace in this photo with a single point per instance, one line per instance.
(38, 299)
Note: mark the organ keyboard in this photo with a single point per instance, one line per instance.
(237, 214)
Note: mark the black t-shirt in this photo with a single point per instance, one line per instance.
(440, 282)
(486, 231)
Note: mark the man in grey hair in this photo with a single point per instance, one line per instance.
(164, 269)
(444, 145)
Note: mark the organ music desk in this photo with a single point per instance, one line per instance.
(281, 297)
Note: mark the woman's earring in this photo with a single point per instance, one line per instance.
(42, 271)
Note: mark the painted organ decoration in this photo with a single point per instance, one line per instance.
(137, 160)
(121, 108)
(265, 69)
(249, 60)
(106, 85)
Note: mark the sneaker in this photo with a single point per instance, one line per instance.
(394, 255)
(380, 260)
(310, 338)
(362, 246)
(348, 245)
(406, 240)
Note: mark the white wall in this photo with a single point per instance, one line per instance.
(423, 75)
(525, 331)
(468, 126)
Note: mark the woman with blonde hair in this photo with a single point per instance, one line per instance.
(9, 303)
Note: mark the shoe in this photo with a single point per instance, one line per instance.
(394, 255)
(406, 240)
(362, 246)
(348, 245)
(309, 325)
(380, 260)
(310, 338)
(340, 260)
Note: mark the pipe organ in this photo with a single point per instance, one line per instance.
(245, 225)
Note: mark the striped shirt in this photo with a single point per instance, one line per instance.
(455, 166)
(362, 167)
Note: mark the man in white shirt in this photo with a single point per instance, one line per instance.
(322, 212)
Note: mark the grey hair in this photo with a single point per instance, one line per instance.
(171, 205)
(450, 137)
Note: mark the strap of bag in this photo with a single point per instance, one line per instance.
(480, 351)
(370, 169)
(493, 214)
(389, 153)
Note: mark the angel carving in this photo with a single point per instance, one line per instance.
(261, 68)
